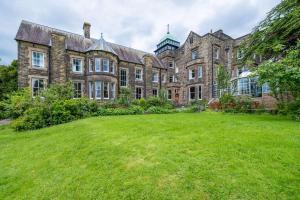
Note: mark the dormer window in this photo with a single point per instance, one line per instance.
(38, 59)
(77, 65)
(105, 65)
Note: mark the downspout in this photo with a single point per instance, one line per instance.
(212, 70)
(49, 66)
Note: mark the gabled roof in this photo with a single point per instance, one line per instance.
(40, 34)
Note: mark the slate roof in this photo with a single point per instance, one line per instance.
(40, 34)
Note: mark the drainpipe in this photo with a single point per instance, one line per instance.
(49, 66)
(212, 70)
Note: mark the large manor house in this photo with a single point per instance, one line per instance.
(98, 68)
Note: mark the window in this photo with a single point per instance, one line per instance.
(200, 92)
(105, 65)
(113, 90)
(171, 64)
(90, 65)
(112, 68)
(77, 90)
(163, 78)
(265, 88)
(38, 59)
(191, 40)
(138, 74)
(176, 70)
(169, 94)
(243, 86)
(155, 77)
(154, 92)
(216, 53)
(138, 92)
(199, 71)
(192, 93)
(77, 65)
(37, 86)
(98, 89)
(97, 65)
(171, 79)
(123, 77)
(194, 54)
(105, 90)
(191, 74)
(91, 90)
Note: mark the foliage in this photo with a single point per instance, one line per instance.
(223, 79)
(227, 101)
(8, 79)
(276, 34)
(158, 110)
(198, 106)
(125, 96)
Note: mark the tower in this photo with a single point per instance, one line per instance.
(167, 43)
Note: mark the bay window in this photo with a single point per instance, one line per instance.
(192, 93)
(97, 65)
(200, 92)
(191, 74)
(91, 90)
(199, 71)
(98, 89)
(105, 90)
(105, 65)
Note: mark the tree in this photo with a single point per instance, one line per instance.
(223, 79)
(8, 79)
(276, 39)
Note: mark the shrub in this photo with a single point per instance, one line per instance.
(4, 113)
(198, 106)
(18, 103)
(227, 102)
(125, 96)
(158, 110)
(136, 110)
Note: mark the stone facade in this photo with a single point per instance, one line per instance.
(99, 68)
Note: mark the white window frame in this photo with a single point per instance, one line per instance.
(105, 61)
(173, 79)
(74, 65)
(169, 94)
(163, 77)
(97, 64)
(90, 65)
(200, 71)
(155, 76)
(141, 74)
(106, 83)
(91, 90)
(76, 91)
(217, 53)
(191, 77)
(112, 67)
(190, 93)
(113, 90)
(42, 64)
(38, 88)
(120, 77)
(98, 90)
(135, 96)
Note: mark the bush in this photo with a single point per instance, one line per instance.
(4, 113)
(198, 106)
(293, 109)
(158, 110)
(18, 103)
(125, 96)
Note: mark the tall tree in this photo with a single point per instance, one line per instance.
(276, 39)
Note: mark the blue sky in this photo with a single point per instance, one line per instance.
(135, 23)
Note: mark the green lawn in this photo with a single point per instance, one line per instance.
(177, 156)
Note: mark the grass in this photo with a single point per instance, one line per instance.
(177, 156)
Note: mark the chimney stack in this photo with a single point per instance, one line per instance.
(87, 30)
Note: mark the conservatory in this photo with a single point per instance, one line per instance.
(245, 84)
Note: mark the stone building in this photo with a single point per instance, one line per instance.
(98, 69)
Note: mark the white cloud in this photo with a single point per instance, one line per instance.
(139, 24)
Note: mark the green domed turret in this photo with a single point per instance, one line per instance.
(168, 42)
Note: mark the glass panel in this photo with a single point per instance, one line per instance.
(105, 91)
(98, 89)
(97, 65)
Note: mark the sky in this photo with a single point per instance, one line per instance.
(138, 24)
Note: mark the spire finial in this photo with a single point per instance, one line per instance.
(168, 28)
(101, 35)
